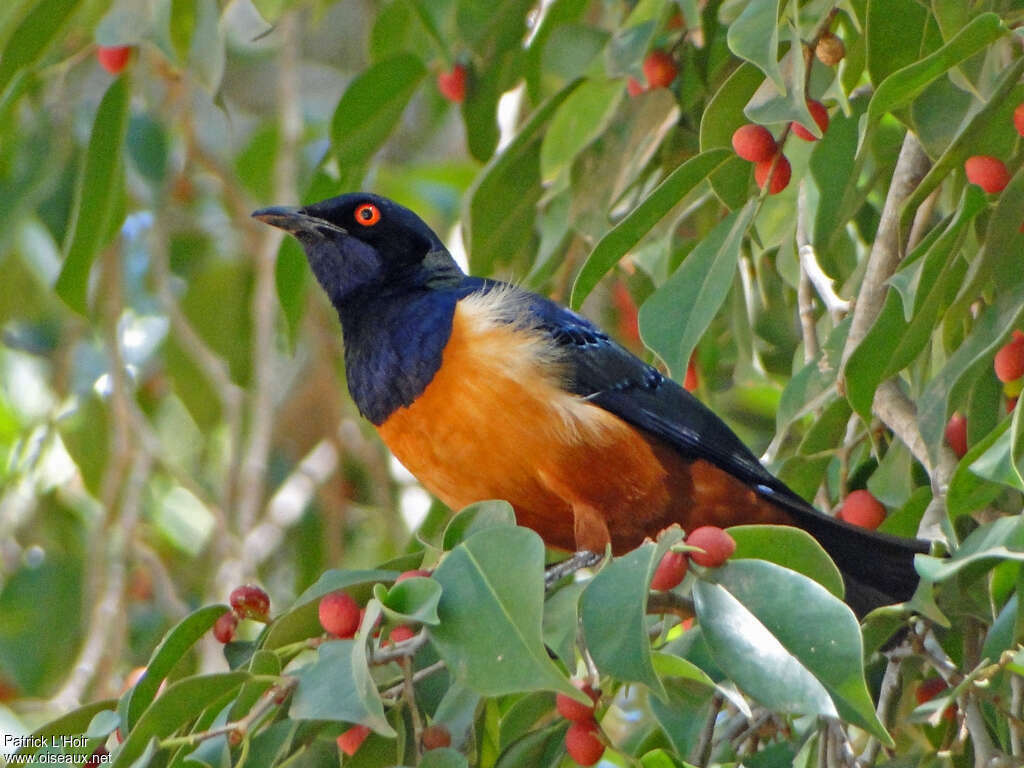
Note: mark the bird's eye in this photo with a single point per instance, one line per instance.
(367, 214)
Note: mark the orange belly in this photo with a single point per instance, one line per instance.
(495, 423)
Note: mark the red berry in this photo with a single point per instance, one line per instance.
(987, 172)
(250, 602)
(691, 381)
(634, 87)
(754, 143)
(779, 176)
(417, 574)
(1018, 119)
(1011, 403)
(670, 571)
(929, 689)
(401, 633)
(224, 627)
(339, 614)
(625, 307)
(863, 509)
(115, 58)
(718, 545)
(436, 736)
(820, 115)
(1009, 360)
(956, 434)
(660, 69)
(351, 740)
(582, 743)
(98, 757)
(573, 710)
(452, 84)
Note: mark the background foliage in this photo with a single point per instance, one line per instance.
(173, 418)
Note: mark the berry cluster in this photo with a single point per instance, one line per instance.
(247, 602)
(660, 71)
(715, 547)
(582, 741)
(1009, 368)
(756, 144)
(340, 616)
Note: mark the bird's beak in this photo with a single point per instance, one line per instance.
(295, 220)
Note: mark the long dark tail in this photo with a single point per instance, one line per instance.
(878, 568)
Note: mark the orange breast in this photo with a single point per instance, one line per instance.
(495, 423)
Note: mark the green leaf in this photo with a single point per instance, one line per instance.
(638, 222)
(302, 621)
(674, 318)
(972, 489)
(1002, 539)
(791, 548)
(146, 142)
(901, 87)
(894, 35)
(34, 35)
(96, 195)
(754, 36)
(970, 359)
(75, 722)
(175, 644)
(475, 518)
(182, 28)
(966, 143)
(578, 121)
(893, 342)
(414, 599)
(177, 705)
(613, 610)
(501, 204)
(491, 610)
(561, 622)
(372, 106)
(445, 757)
(338, 687)
(786, 641)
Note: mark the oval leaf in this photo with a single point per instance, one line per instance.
(641, 220)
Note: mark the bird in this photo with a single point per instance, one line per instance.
(484, 390)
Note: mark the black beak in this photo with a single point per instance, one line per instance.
(295, 220)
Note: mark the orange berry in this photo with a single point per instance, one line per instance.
(660, 69)
(754, 143)
(114, 58)
(987, 172)
(250, 602)
(691, 381)
(820, 115)
(780, 171)
(224, 627)
(401, 633)
(863, 509)
(436, 736)
(452, 84)
(1009, 360)
(582, 743)
(1018, 119)
(829, 50)
(417, 574)
(351, 740)
(956, 434)
(573, 710)
(339, 614)
(670, 571)
(718, 545)
(634, 87)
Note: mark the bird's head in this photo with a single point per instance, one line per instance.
(361, 243)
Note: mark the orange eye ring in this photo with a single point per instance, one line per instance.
(367, 214)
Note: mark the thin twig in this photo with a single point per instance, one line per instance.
(395, 690)
(275, 696)
(886, 697)
(701, 754)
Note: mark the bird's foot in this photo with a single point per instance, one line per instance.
(578, 560)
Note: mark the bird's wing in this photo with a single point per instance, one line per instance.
(609, 376)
